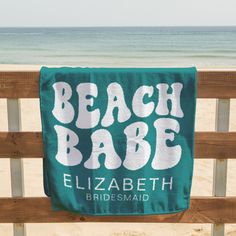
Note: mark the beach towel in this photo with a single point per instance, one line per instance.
(118, 141)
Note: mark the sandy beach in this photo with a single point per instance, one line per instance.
(202, 181)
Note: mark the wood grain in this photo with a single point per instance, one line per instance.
(29, 145)
(38, 210)
(25, 84)
(217, 84)
(19, 84)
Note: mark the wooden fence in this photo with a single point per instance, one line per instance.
(220, 145)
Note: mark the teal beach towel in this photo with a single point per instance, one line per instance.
(118, 141)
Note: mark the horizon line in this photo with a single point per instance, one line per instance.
(118, 26)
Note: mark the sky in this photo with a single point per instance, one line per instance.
(36, 13)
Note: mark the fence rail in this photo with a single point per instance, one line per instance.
(208, 145)
(211, 84)
(38, 210)
(220, 145)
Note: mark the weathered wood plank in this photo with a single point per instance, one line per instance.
(19, 84)
(38, 210)
(211, 84)
(16, 165)
(21, 144)
(217, 145)
(220, 166)
(216, 84)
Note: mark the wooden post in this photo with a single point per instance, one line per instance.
(16, 165)
(220, 165)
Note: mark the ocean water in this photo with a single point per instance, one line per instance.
(120, 46)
